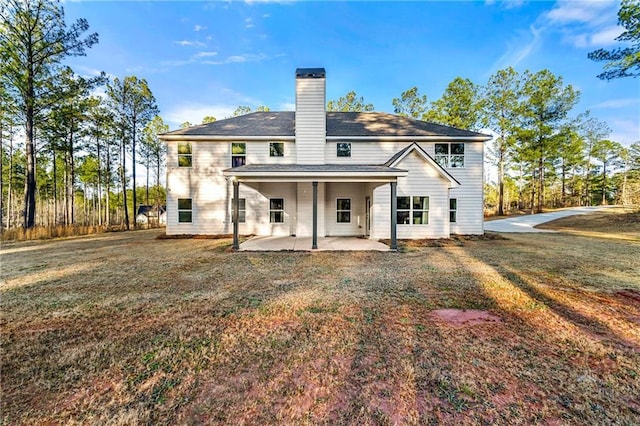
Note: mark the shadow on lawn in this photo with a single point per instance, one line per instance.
(532, 286)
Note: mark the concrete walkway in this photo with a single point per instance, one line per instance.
(304, 244)
(526, 223)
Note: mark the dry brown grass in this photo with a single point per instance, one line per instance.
(614, 223)
(127, 329)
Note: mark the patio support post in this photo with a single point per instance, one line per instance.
(236, 210)
(314, 242)
(394, 216)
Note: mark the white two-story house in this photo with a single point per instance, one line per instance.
(313, 173)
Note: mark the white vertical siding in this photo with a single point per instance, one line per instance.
(311, 122)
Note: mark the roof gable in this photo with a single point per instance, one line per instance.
(414, 147)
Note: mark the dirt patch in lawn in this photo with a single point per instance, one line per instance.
(462, 317)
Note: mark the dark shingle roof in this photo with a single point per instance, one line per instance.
(339, 124)
(383, 124)
(254, 124)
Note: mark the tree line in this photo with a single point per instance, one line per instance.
(69, 143)
(65, 139)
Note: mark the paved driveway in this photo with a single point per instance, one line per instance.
(527, 223)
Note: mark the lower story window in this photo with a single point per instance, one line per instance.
(242, 209)
(412, 210)
(185, 210)
(453, 210)
(343, 210)
(276, 210)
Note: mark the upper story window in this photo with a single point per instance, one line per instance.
(412, 210)
(276, 149)
(343, 149)
(238, 154)
(450, 155)
(184, 154)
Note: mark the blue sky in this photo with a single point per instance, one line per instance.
(206, 58)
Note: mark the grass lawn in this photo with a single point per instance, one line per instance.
(123, 328)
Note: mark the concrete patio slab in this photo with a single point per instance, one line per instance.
(304, 244)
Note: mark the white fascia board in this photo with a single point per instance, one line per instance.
(409, 138)
(323, 176)
(317, 179)
(224, 138)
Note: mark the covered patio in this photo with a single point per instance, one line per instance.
(275, 243)
(310, 212)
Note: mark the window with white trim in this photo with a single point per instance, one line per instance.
(343, 149)
(238, 154)
(450, 155)
(412, 210)
(242, 209)
(276, 210)
(185, 210)
(343, 210)
(185, 158)
(453, 210)
(276, 149)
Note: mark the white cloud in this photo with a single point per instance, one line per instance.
(519, 49)
(189, 43)
(195, 112)
(617, 103)
(268, 1)
(248, 23)
(584, 24)
(197, 28)
(234, 59)
(625, 131)
(205, 54)
(607, 36)
(287, 106)
(99, 92)
(592, 12)
(505, 4)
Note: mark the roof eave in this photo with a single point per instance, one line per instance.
(185, 137)
(310, 176)
(479, 138)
